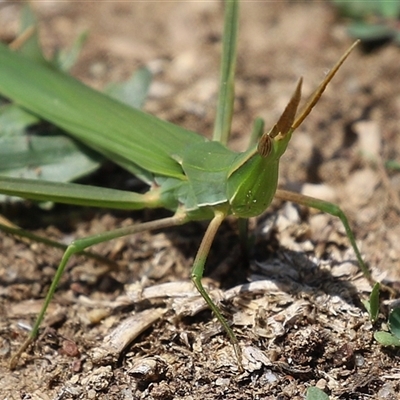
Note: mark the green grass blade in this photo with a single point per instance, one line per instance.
(93, 118)
(226, 95)
(64, 60)
(30, 47)
(83, 195)
(134, 91)
(372, 304)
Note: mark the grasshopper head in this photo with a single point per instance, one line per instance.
(253, 181)
(252, 185)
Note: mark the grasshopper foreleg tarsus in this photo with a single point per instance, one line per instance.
(80, 245)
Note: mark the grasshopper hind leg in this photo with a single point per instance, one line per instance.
(78, 246)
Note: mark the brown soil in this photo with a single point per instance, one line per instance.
(300, 323)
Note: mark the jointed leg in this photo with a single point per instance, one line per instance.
(331, 209)
(78, 246)
(197, 274)
(31, 237)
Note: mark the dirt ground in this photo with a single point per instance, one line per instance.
(118, 332)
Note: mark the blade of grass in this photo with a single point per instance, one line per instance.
(226, 94)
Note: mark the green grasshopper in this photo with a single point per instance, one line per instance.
(196, 178)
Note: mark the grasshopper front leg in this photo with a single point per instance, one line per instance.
(197, 274)
(77, 246)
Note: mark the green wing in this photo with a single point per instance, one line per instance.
(104, 124)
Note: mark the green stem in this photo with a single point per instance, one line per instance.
(226, 95)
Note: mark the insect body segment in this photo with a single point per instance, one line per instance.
(251, 188)
(206, 165)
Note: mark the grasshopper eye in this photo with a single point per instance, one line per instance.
(265, 145)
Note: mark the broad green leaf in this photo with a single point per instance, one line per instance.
(42, 153)
(366, 8)
(373, 20)
(314, 393)
(392, 164)
(390, 9)
(49, 157)
(394, 322)
(14, 121)
(369, 32)
(386, 339)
